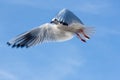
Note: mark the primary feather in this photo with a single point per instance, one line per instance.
(44, 33)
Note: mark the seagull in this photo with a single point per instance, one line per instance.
(64, 26)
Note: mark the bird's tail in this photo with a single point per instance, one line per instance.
(89, 31)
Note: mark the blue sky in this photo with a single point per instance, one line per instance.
(98, 59)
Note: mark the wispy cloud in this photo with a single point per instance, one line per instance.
(90, 7)
(106, 32)
(55, 65)
(16, 1)
(43, 4)
(94, 7)
(7, 76)
(61, 63)
(61, 69)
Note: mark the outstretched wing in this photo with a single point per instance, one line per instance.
(66, 17)
(44, 33)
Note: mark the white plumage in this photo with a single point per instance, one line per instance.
(62, 27)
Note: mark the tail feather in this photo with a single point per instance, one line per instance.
(89, 31)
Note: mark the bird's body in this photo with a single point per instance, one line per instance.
(62, 27)
(58, 32)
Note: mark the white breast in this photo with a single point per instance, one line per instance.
(61, 34)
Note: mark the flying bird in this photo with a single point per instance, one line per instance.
(61, 28)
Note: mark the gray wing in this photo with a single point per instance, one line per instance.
(33, 37)
(66, 17)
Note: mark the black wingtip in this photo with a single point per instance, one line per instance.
(8, 44)
(14, 45)
(17, 45)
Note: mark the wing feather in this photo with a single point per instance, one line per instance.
(45, 33)
(66, 17)
(32, 37)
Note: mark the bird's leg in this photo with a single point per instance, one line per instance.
(80, 37)
(82, 32)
